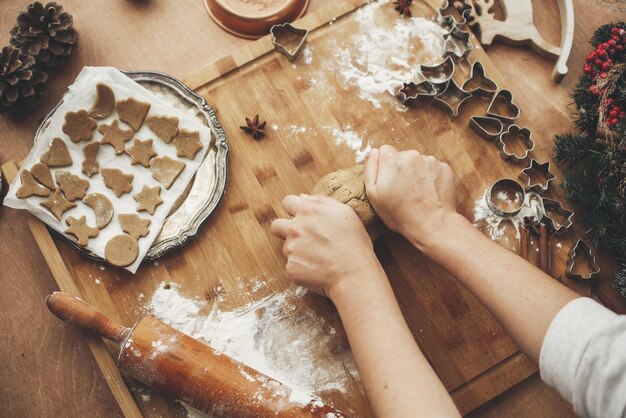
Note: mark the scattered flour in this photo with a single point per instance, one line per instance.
(307, 54)
(347, 136)
(379, 59)
(494, 224)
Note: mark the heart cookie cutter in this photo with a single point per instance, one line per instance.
(486, 86)
(518, 132)
(463, 9)
(451, 98)
(458, 43)
(486, 127)
(512, 107)
(554, 206)
(543, 170)
(583, 248)
(438, 74)
(285, 29)
(411, 92)
(505, 197)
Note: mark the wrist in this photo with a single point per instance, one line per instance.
(367, 279)
(445, 229)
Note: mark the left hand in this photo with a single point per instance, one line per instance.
(326, 245)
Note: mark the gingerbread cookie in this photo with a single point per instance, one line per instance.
(117, 181)
(121, 250)
(187, 144)
(79, 126)
(57, 154)
(102, 208)
(30, 187)
(80, 230)
(42, 174)
(105, 102)
(134, 225)
(132, 112)
(90, 164)
(141, 152)
(148, 199)
(57, 204)
(73, 187)
(165, 170)
(165, 127)
(115, 136)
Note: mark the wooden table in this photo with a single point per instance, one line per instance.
(48, 369)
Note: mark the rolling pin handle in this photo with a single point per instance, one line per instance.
(76, 311)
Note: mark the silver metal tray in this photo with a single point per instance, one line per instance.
(207, 187)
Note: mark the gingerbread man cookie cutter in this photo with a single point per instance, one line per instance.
(583, 248)
(555, 207)
(286, 29)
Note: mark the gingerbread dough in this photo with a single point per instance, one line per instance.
(105, 102)
(121, 250)
(90, 163)
(115, 136)
(79, 126)
(166, 170)
(42, 174)
(30, 187)
(117, 181)
(164, 127)
(102, 208)
(148, 199)
(57, 154)
(80, 230)
(347, 186)
(73, 187)
(134, 225)
(132, 112)
(57, 204)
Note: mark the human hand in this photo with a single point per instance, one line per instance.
(412, 193)
(326, 245)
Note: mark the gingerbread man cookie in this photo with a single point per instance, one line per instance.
(90, 164)
(132, 112)
(121, 250)
(57, 154)
(80, 230)
(79, 126)
(134, 225)
(30, 187)
(115, 136)
(57, 204)
(187, 144)
(117, 181)
(105, 102)
(165, 170)
(165, 127)
(73, 187)
(141, 152)
(148, 199)
(42, 174)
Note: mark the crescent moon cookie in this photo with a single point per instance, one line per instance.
(187, 144)
(80, 230)
(165, 170)
(102, 208)
(134, 225)
(117, 181)
(79, 126)
(72, 186)
(148, 199)
(164, 127)
(121, 250)
(57, 154)
(42, 174)
(132, 112)
(115, 136)
(57, 204)
(30, 187)
(105, 102)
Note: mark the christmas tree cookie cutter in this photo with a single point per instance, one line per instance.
(512, 108)
(484, 85)
(536, 169)
(412, 92)
(553, 209)
(582, 248)
(438, 74)
(486, 127)
(514, 132)
(458, 43)
(451, 98)
(286, 29)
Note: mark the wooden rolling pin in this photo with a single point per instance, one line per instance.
(185, 369)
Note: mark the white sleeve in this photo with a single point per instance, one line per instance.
(583, 356)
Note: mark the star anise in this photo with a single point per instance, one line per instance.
(403, 7)
(254, 128)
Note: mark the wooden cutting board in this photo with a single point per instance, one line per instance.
(469, 350)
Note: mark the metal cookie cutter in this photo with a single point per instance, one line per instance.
(513, 109)
(536, 170)
(451, 98)
(288, 29)
(505, 197)
(458, 43)
(486, 127)
(581, 247)
(438, 73)
(411, 91)
(515, 133)
(444, 11)
(484, 86)
(554, 207)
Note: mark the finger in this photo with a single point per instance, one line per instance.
(293, 204)
(279, 228)
(387, 151)
(371, 170)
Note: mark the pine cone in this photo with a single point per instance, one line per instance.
(21, 85)
(45, 32)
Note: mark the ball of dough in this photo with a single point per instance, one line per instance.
(347, 186)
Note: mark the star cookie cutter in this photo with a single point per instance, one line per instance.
(552, 209)
(288, 29)
(505, 197)
(536, 169)
(451, 98)
(458, 43)
(484, 87)
(517, 133)
(412, 92)
(513, 109)
(486, 127)
(439, 73)
(583, 248)
(462, 7)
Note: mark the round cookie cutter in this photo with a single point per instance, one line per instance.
(207, 187)
(505, 197)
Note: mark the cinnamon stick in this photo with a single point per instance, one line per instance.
(543, 248)
(523, 242)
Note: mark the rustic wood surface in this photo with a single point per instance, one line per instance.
(48, 348)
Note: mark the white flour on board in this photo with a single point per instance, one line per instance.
(494, 224)
(273, 335)
(347, 136)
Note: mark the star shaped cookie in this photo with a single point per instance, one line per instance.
(148, 199)
(80, 230)
(115, 136)
(141, 152)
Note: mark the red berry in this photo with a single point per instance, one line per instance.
(612, 51)
(613, 113)
(603, 75)
(606, 66)
(598, 62)
(622, 115)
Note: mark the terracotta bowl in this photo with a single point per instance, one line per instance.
(254, 18)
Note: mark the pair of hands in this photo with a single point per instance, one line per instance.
(326, 245)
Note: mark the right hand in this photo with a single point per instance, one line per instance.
(412, 193)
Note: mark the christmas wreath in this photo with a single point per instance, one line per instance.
(594, 158)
